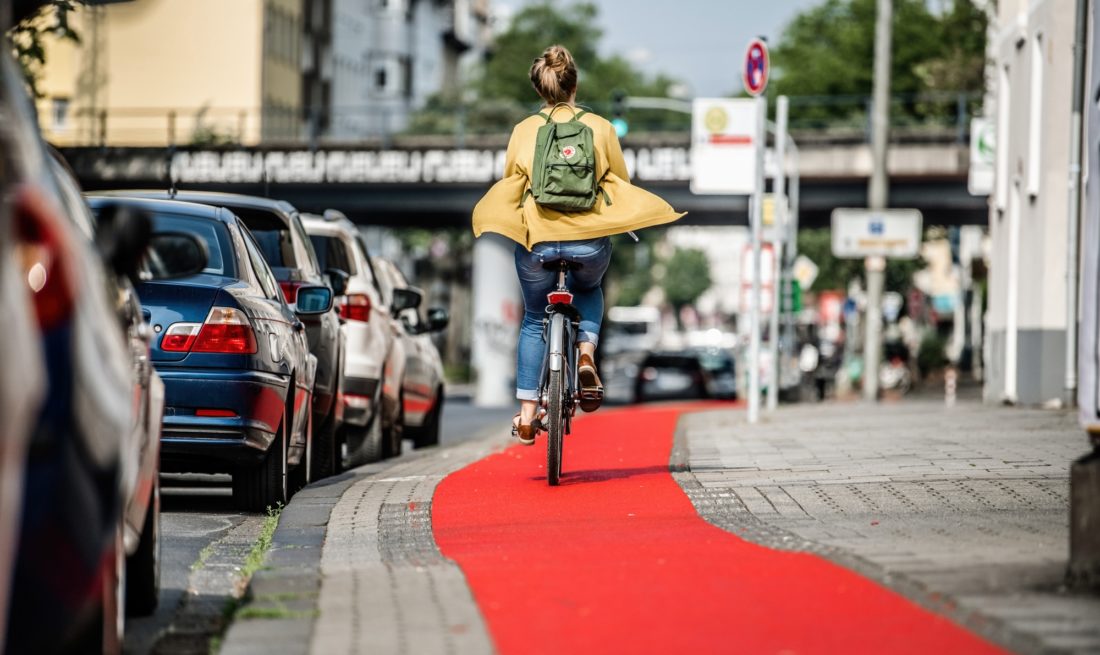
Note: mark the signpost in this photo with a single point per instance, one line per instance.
(983, 139)
(859, 233)
(755, 76)
(723, 146)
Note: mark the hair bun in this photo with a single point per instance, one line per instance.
(554, 74)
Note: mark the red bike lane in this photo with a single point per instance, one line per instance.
(616, 559)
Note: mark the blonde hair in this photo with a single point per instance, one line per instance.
(554, 75)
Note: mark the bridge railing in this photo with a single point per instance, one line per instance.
(928, 117)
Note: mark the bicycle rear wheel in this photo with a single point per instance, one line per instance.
(556, 426)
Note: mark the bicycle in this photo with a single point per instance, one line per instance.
(559, 391)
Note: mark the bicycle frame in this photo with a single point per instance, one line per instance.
(558, 379)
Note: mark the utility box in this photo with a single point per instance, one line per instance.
(1084, 559)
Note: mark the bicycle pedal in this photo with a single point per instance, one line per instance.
(591, 394)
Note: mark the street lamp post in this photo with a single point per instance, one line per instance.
(877, 196)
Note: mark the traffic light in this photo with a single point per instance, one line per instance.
(618, 103)
(618, 112)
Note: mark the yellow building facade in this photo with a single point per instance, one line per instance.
(160, 72)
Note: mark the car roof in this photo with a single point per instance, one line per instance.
(315, 223)
(96, 199)
(209, 198)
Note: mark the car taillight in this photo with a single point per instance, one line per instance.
(560, 298)
(290, 290)
(356, 307)
(226, 330)
(179, 337)
(43, 252)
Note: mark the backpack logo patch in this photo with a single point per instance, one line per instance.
(568, 151)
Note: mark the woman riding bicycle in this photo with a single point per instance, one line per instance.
(545, 235)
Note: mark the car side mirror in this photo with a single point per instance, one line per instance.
(313, 300)
(407, 298)
(338, 280)
(121, 237)
(175, 254)
(438, 318)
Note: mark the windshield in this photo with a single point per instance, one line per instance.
(272, 235)
(212, 233)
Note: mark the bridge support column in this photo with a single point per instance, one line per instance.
(498, 309)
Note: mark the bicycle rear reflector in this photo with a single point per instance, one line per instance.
(560, 298)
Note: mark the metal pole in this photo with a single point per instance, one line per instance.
(877, 196)
(756, 219)
(1074, 218)
(779, 192)
(792, 246)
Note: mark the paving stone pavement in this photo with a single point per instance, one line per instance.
(355, 569)
(964, 510)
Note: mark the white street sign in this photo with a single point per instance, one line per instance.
(805, 271)
(983, 140)
(859, 233)
(723, 153)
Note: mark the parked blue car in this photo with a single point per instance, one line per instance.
(234, 358)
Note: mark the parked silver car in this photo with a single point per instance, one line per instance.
(422, 386)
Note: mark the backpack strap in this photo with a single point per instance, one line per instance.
(578, 115)
(547, 115)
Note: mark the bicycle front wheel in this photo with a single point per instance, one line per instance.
(556, 426)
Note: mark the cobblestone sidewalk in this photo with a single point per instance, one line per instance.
(964, 510)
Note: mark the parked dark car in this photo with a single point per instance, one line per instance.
(422, 386)
(80, 405)
(277, 228)
(233, 355)
(719, 365)
(676, 375)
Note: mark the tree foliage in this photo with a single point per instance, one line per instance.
(26, 37)
(828, 50)
(687, 276)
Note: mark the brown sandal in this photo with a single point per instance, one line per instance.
(591, 387)
(525, 433)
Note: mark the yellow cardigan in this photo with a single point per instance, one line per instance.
(631, 208)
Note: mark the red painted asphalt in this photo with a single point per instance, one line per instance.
(617, 560)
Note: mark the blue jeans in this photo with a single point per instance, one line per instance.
(593, 255)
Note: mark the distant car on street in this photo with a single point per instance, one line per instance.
(720, 368)
(674, 375)
(631, 330)
(233, 355)
(374, 356)
(278, 232)
(422, 387)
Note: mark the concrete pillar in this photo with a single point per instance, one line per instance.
(498, 310)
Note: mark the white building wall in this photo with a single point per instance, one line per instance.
(1032, 51)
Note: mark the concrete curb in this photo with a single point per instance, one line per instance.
(281, 605)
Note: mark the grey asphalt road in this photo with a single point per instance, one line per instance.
(197, 512)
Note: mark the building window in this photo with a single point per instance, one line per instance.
(1004, 97)
(59, 114)
(1035, 117)
(380, 79)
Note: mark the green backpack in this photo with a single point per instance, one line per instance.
(564, 173)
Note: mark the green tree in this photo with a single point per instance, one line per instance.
(26, 37)
(828, 50)
(687, 276)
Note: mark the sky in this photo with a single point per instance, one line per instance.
(700, 42)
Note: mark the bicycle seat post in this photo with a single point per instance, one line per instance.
(562, 270)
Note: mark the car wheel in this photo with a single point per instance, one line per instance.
(372, 440)
(325, 449)
(258, 487)
(143, 566)
(428, 434)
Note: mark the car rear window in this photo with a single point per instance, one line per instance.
(272, 235)
(213, 233)
(332, 252)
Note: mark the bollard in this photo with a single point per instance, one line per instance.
(1084, 522)
(950, 379)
